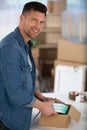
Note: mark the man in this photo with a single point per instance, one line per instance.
(18, 93)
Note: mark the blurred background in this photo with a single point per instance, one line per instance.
(63, 40)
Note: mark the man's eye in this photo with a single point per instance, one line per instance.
(42, 22)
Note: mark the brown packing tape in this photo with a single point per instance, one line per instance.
(73, 94)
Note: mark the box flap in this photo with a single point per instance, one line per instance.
(74, 114)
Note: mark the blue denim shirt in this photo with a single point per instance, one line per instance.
(17, 82)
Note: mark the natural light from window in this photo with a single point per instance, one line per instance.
(10, 11)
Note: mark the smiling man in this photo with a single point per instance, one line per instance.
(18, 92)
(32, 22)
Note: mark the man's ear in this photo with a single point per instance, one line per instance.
(21, 17)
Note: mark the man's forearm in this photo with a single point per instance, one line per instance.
(38, 104)
(39, 95)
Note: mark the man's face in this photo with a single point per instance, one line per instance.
(32, 24)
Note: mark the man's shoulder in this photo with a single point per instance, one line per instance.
(8, 39)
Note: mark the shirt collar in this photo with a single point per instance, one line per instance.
(21, 40)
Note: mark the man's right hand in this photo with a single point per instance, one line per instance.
(45, 107)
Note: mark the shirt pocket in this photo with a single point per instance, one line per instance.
(26, 78)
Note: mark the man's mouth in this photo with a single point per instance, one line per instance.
(35, 30)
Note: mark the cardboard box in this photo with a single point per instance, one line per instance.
(60, 120)
(56, 6)
(53, 21)
(50, 36)
(71, 51)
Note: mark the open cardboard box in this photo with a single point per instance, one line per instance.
(60, 120)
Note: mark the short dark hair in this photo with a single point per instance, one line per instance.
(36, 6)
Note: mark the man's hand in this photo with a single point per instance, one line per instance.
(53, 99)
(45, 108)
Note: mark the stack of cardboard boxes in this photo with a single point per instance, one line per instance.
(49, 37)
(56, 6)
(52, 31)
(75, 55)
(72, 47)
